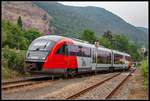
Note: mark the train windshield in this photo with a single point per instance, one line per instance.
(41, 45)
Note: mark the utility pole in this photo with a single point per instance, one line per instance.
(96, 45)
(143, 50)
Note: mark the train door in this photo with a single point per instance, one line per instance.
(124, 62)
(81, 62)
(94, 58)
(72, 56)
(86, 58)
(61, 58)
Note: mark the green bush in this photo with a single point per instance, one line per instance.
(144, 70)
(7, 73)
(13, 59)
(32, 34)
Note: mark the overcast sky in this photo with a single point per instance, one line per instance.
(135, 13)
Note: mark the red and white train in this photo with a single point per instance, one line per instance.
(58, 54)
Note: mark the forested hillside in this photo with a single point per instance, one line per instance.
(70, 20)
(143, 29)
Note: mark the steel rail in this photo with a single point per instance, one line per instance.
(90, 88)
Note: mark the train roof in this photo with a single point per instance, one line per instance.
(57, 38)
(76, 41)
(51, 37)
(85, 44)
(118, 52)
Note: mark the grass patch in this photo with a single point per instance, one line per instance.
(7, 73)
(144, 70)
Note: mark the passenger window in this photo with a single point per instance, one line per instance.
(73, 49)
(80, 51)
(86, 52)
(63, 50)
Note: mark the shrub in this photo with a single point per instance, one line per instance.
(144, 70)
(15, 60)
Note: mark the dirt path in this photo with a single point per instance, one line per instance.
(137, 91)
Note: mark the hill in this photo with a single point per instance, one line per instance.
(69, 20)
(32, 15)
(143, 29)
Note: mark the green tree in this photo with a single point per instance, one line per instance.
(19, 23)
(13, 36)
(120, 42)
(133, 50)
(32, 34)
(88, 35)
(105, 42)
(108, 35)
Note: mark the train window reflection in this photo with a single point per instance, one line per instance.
(118, 59)
(103, 57)
(41, 45)
(63, 50)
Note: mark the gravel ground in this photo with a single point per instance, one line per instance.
(76, 87)
(103, 90)
(123, 92)
(41, 92)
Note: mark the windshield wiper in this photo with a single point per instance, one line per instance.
(45, 45)
(41, 47)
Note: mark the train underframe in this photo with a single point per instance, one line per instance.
(36, 68)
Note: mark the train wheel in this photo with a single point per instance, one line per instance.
(111, 69)
(66, 73)
(72, 72)
(69, 73)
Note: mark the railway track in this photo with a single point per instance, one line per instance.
(7, 85)
(108, 95)
(115, 89)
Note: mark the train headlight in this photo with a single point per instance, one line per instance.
(43, 57)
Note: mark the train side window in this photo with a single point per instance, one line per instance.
(118, 59)
(80, 51)
(72, 50)
(103, 57)
(86, 52)
(128, 58)
(63, 50)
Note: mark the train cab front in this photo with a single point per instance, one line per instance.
(36, 55)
